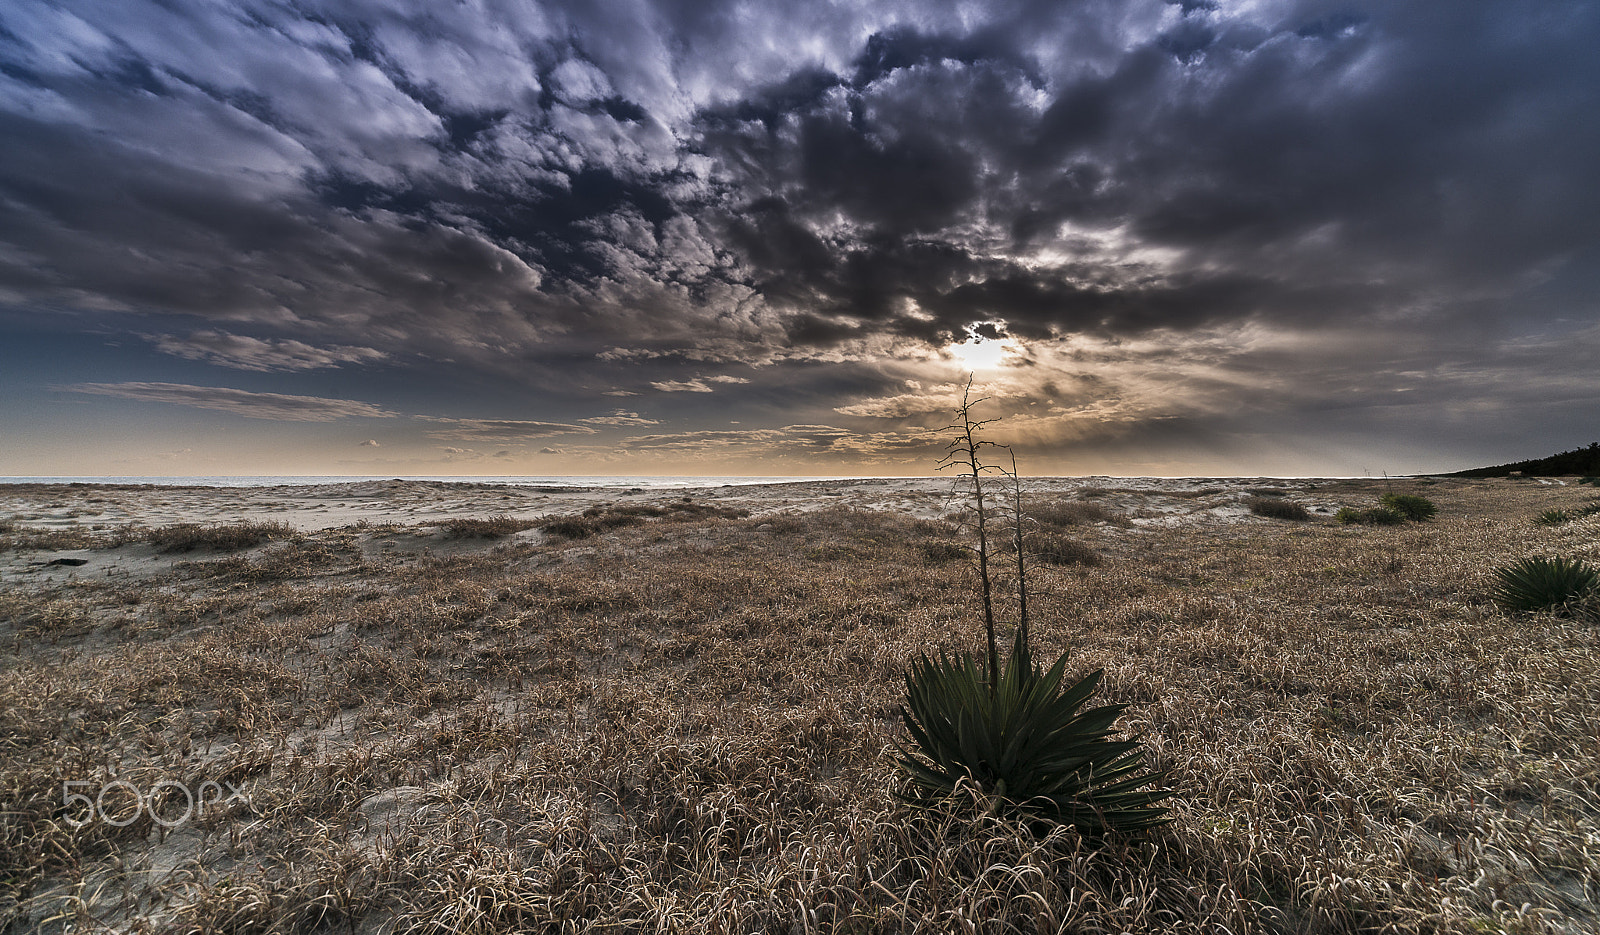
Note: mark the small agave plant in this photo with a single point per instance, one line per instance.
(1015, 740)
(1540, 583)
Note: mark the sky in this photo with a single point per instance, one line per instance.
(491, 237)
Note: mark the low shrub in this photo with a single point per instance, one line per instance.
(1068, 513)
(597, 519)
(1553, 518)
(1539, 583)
(934, 527)
(493, 527)
(572, 527)
(186, 537)
(1275, 508)
(1372, 516)
(938, 551)
(1412, 507)
(686, 510)
(1055, 549)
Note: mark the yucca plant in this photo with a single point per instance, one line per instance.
(1538, 583)
(1012, 740)
(1412, 507)
(1553, 518)
(1026, 748)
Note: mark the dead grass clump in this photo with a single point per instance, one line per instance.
(303, 558)
(942, 550)
(492, 527)
(1057, 549)
(686, 510)
(186, 537)
(598, 519)
(1370, 516)
(571, 527)
(1068, 513)
(25, 538)
(1275, 508)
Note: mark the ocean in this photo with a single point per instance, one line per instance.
(307, 480)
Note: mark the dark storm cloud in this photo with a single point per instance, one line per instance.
(532, 186)
(1308, 165)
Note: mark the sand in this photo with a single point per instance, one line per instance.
(422, 507)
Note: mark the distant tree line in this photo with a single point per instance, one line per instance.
(1585, 461)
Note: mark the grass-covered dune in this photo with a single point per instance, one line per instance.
(687, 723)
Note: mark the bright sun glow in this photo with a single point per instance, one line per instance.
(980, 354)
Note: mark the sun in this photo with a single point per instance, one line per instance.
(981, 353)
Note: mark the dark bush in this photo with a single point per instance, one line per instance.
(1068, 513)
(572, 527)
(1276, 508)
(493, 527)
(1412, 507)
(1054, 549)
(936, 551)
(185, 537)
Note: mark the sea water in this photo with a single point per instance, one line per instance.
(307, 480)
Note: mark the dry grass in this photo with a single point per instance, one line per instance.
(227, 537)
(490, 527)
(1068, 512)
(18, 537)
(687, 725)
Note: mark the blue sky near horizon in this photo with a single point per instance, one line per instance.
(666, 237)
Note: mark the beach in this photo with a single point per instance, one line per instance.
(457, 706)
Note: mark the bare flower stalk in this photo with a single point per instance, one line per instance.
(963, 453)
(1022, 576)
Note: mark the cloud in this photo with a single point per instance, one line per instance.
(1119, 169)
(502, 429)
(620, 417)
(371, 443)
(616, 197)
(271, 406)
(696, 385)
(246, 353)
(811, 443)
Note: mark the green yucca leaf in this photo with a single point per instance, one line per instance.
(1412, 507)
(1030, 747)
(1553, 518)
(1539, 583)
